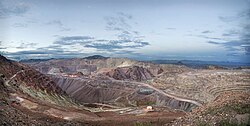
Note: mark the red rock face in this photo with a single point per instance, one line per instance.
(25, 75)
(8, 67)
(33, 78)
(136, 73)
(118, 73)
(139, 73)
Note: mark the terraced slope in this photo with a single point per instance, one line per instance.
(228, 109)
(200, 85)
(118, 93)
(100, 81)
(204, 85)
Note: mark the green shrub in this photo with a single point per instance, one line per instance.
(202, 123)
(232, 123)
(239, 108)
(143, 124)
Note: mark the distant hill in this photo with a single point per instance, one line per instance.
(201, 64)
(95, 57)
(34, 60)
(43, 60)
(189, 63)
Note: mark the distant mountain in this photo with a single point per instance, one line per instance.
(95, 57)
(43, 60)
(188, 63)
(2, 58)
(201, 64)
(34, 60)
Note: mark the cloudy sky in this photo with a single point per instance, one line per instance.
(211, 30)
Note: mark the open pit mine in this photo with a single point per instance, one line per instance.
(104, 91)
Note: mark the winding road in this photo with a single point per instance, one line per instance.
(157, 90)
(7, 82)
(162, 92)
